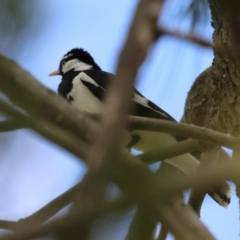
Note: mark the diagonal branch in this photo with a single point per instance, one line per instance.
(183, 129)
(137, 189)
(52, 132)
(140, 38)
(183, 36)
(106, 146)
(58, 226)
(183, 222)
(173, 150)
(51, 208)
(11, 125)
(8, 225)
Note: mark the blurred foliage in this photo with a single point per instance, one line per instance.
(19, 19)
(20, 22)
(197, 10)
(7, 139)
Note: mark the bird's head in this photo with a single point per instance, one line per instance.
(75, 60)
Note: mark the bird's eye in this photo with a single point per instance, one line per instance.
(63, 62)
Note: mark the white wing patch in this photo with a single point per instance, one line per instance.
(83, 99)
(141, 100)
(85, 77)
(144, 102)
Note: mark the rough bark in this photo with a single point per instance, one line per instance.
(214, 99)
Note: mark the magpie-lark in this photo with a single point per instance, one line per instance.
(84, 84)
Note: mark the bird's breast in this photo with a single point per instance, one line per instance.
(83, 99)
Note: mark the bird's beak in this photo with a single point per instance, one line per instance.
(54, 73)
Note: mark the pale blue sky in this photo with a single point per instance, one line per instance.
(100, 27)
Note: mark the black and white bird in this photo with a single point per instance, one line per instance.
(84, 85)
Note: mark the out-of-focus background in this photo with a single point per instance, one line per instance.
(36, 34)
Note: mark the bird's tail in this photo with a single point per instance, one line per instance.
(221, 194)
(188, 164)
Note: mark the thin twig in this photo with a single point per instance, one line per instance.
(183, 222)
(170, 151)
(187, 37)
(51, 208)
(183, 129)
(11, 125)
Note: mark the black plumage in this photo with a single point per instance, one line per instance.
(65, 86)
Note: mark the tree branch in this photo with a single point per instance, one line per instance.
(58, 226)
(184, 223)
(137, 189)
(140, 176)
(187, 37)
(140, 37)
(52, 132)
(11, 125)
(173, 150)
(8, 225)
(118, 98)
(183, 129)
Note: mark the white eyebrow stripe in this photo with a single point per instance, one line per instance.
(80, 66)
(144, 102)
(64, 57)
(75, 65)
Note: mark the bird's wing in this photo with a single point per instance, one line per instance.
(142, 106)
(145, 108)
(97, 81)
(100, 77)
